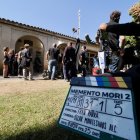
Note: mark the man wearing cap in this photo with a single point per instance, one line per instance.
(26, 62)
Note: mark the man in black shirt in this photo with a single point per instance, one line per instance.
(113, 43)
(52, 57)
(84, 61)
(69, 61)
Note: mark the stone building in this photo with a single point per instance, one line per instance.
(14, 35)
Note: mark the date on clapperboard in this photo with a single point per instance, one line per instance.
(100, 108)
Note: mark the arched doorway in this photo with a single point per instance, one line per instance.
(37, 50)
(62, 47)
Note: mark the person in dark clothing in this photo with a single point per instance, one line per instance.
(113, 42)
(113, 39)
(37, 64)
(125, 29)
(134, 72)
(52, 57)
(84, 61)
(5, 62)
(15, 64)
(11, 62)
(69, 61)
(20, 68)
(60, 65)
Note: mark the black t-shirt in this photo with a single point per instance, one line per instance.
(69, 55)
(53, 53)
(113, 39)
(84, 56)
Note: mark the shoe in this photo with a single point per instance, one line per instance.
(6, 77)
(53, 79)
(67, 80)
(25, 79)
(31, 79)
(20, 76)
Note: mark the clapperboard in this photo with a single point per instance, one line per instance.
(101, 107)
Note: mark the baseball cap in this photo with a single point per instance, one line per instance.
(26, 45)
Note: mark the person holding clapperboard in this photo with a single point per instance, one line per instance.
(128, 29)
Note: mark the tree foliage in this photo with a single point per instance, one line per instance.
(134, 11)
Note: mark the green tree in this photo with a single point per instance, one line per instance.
(134, 11)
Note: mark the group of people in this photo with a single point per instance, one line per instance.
(17, 63)
(10, 63)
(116, 44)
(20, 63)
(68, 60)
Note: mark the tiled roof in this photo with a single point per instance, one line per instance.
(38, 29)
(11, 22)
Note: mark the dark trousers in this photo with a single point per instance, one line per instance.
(114, 62)
(84, 69)
(11, 68)
(70, 70)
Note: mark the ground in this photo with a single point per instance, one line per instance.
(18, 85)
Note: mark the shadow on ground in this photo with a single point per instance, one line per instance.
(53, 132)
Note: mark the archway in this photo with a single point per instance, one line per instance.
(62, 47)
(37, 50)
